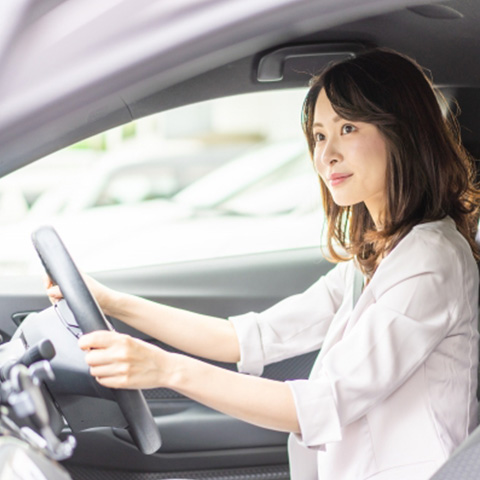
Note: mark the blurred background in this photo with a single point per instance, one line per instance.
(235, 171)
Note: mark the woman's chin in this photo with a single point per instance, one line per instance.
(344, 202)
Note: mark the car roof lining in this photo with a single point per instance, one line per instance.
(241, 76)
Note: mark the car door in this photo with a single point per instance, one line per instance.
(239, 239)
(194, 438)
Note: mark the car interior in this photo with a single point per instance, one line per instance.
(277, 48)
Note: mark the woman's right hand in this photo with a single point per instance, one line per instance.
(103, 295)
(53, 291)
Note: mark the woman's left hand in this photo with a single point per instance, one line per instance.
(117, 360)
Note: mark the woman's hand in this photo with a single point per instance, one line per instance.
(53, 291)
(117, 360)
(121, 361)
(103, 295)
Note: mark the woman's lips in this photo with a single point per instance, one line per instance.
(338, 178)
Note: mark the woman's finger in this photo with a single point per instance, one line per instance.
(108, 370)
(47, 281)
(117, 381)
(98, 339)
(99, 356)
(54, 292)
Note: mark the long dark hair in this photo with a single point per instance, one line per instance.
(429, 173)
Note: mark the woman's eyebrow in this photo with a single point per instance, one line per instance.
(336, 119)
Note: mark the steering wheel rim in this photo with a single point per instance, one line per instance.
(61, 268)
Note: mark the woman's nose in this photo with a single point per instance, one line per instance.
(326, 155)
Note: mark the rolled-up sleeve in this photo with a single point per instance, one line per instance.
(315, 402)
(293, 326)
(251, 349)
(413, 309)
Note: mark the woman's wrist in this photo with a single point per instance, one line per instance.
(175, 371)
(113, 303)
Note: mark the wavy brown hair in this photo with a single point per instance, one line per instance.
(429, 173)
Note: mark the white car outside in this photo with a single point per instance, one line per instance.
(264, 200)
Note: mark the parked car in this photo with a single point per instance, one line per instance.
(134, 172)
(238, 200)
(73, 69)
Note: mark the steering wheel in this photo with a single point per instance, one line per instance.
(62, 270)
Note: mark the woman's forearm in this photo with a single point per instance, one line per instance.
(121, 361)
(196, 334)
(262, 402)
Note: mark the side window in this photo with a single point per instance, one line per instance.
(138, 183)
(226, 177)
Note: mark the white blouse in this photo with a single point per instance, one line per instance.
(393, 389)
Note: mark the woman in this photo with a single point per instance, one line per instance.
(392, 391)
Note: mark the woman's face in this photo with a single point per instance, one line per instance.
(351, 158)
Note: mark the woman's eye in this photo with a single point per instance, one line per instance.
(347, 129)
(319, 137)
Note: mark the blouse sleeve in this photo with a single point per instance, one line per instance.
(294, 326)
(417, 295)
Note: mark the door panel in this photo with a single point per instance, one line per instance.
(225, 286)
(195, 438)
